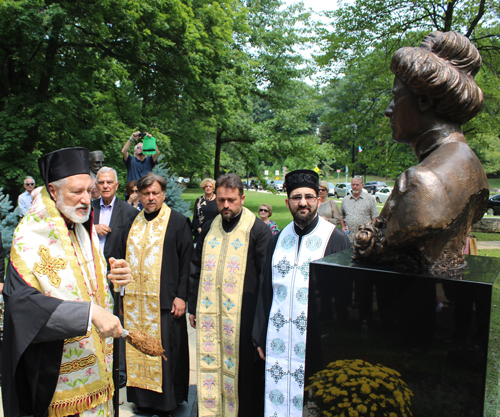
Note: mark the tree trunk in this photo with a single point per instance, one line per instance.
(218, 146)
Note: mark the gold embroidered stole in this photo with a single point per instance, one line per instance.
(49, 258)
(218, 314)
(142, 298)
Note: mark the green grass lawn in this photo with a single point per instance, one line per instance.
(489, 252)
(494, 183)
(487, 237)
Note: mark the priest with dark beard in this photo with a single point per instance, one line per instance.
(158, 248)
(57, 349)
(224, 285)
(286, 331)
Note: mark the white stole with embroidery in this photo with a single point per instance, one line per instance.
(287, 329)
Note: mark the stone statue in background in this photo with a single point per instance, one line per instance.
(96, 162)
(426, 220)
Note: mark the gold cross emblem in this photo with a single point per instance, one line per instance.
(49, 266)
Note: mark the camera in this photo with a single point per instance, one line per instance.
(141, 135)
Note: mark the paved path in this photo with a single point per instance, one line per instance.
(488, 245)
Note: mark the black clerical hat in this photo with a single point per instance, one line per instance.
(302, 178)
(64, 163)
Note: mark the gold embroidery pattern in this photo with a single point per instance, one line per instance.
(224, 258)
(142, 301)
(49, 266)
(78, 365)
(76, 339)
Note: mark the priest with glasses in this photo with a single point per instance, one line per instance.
(286, 331)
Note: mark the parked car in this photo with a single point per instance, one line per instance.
(342, 189)
(373, 186)
(277, 184)
(256, 185)
(252, 185)
(331, 189)
(494, 205)
(382, 195)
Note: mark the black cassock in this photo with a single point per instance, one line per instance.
(314, 362)
(177, 250)
(251, 371)
(35, 327)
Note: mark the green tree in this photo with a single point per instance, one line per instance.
(87, 73)
(357, 50)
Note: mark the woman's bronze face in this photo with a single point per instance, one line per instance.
(404, 112)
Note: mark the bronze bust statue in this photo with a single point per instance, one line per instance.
(96, 162)
(425, 222)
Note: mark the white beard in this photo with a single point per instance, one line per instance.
(70, 212)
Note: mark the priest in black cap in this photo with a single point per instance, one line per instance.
(58, 330)
(286, 331)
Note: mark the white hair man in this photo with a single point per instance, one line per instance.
(58, 326)
(111, 215)
(111, 221)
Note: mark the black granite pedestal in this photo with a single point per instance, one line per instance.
(441, 334)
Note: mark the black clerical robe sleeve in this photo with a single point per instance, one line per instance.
(196, 222)
(265, 299)
(338, 242)
(195, 269)
(184, 253)
(262, 235)
(35, 327)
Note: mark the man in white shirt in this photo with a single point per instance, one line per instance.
(25, 199)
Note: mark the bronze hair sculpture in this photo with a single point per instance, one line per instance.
(425, 222)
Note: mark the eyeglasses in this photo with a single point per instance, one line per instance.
(264, 210)
(29, 183)
(138, 147)
(135, 191)
(322, 190)
(308, 197)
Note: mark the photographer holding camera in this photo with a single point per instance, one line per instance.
(140, 164)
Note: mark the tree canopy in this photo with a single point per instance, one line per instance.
(220, 84)
(356, 51)
(189, 72)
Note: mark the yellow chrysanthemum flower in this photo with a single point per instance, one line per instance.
(341, 378)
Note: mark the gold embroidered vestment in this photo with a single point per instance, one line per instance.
(218, 313)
